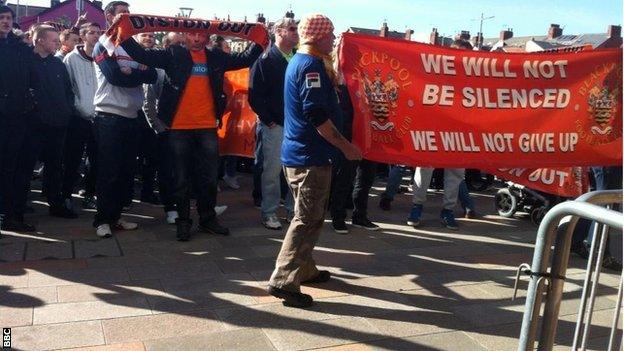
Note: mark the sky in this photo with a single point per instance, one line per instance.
(526, 17)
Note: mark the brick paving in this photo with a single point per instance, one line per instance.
(396, 289)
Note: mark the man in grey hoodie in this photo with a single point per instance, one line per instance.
(81, 71)
(118, 99)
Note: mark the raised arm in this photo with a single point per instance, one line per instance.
(243, 59)
(112, 71)
(157, 58)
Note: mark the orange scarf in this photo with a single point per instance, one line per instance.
(127, 25)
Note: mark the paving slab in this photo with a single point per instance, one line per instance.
(57, 336)
(15, 316)
(12, 251)
(304, 334)
(451, 341)
(160, 326)
(88, 248)
(48, 250)
(261, 316)
(28, 297)
(244, 339)
(75, 277)
(91, 310)
(109, 291)
(130, 346)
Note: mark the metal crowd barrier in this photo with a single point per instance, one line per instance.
(588, 207)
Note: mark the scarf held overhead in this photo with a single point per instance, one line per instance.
(126, 25)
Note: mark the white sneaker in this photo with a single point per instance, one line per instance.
(220, 209)
(272, 223)
(123, 225)
(231, 182)
(104, 231)
(172, 216)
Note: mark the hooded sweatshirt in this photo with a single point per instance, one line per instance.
(81, 69)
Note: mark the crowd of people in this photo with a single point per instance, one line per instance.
(93, 118)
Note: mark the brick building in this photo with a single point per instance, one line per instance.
(64, 13)
(554, 39)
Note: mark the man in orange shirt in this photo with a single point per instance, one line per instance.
(191, 105)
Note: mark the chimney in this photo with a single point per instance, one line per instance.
(97, 4)
(434, 36)
(260, 18)
(290, 14)
(408, 34)
(506, 34)
(54, 2)
(554, 31)
(463, 35)
(477, 40)
(614, 31)
(384, 30)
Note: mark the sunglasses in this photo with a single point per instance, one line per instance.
(291, 29)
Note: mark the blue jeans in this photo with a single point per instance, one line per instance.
(394, 181)
(466, 201)
(229, 165)
(258, 160)
(271, 168)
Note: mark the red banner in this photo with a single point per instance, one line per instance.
(237, 136)
(427, 105)
(566, 181)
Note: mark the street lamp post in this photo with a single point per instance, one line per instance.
(480, 43)
(185, 12)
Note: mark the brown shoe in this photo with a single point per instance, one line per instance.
(291, 299)
(470, 214)
(321, 277)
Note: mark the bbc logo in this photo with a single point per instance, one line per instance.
(6, 338)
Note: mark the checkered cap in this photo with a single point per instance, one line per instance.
(314, 27)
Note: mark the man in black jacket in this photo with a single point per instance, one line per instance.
(266, 98)
(18, 84)
(48, 128)
(191, 105)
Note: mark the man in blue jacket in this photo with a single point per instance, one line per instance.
(266, 98)
(18, 84)
(312, 119)
(191, 105)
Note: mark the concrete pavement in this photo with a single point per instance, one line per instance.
(396, 289)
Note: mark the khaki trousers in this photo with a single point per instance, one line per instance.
(310, 187)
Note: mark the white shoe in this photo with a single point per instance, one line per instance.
(123, 225)
(231, 182)
(272, 223)
(172, 216)
(220, 209)
(104, 231)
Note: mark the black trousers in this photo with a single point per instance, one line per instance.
(165, 171)
(80, 136)
(148, 156)
(195, 154)
(12, 144)
(47, 143)
(352, 181)
(116, 139)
